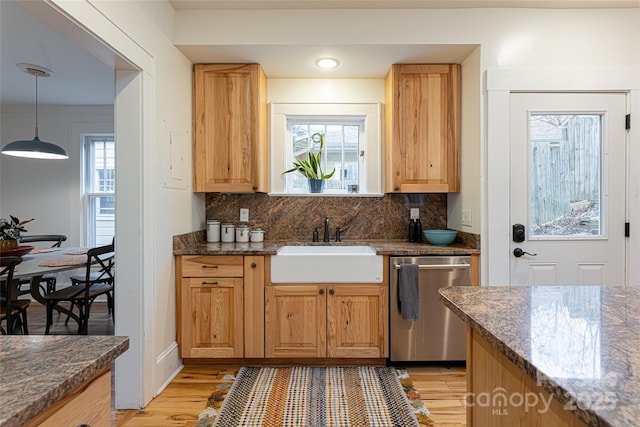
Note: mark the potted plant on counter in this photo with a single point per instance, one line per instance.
(310, 167)
(10, 232)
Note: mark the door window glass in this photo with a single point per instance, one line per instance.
(566, 176)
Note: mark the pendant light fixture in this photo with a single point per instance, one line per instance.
(35, 148)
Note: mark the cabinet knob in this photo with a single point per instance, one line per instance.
(321, 291)
(396, 188)
(209, 283)
(255, 187)
(209, 266)
(253, 265)
(331, 291)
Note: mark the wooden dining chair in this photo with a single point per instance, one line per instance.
(17, 308)
(48, 281)
(83, 294)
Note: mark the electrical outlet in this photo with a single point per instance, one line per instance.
(466, 217)
(415, 213)
(244, 215)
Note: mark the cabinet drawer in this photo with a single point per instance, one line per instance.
(212, 266)
(221, 282)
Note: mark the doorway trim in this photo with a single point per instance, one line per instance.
(499, 84)
(133, 104)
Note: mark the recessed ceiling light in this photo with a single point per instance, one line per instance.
(327, 63)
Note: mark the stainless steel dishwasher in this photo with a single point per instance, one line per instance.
(438, 334)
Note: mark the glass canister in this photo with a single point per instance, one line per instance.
(256, 235)
(227, 233)
(242, 234)
(213, 230)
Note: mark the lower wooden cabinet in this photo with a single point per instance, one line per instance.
(225, 311)
(322, 320)
(213, 317)
(220, 302)
(89, 404)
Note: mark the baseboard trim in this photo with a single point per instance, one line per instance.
(168, 366)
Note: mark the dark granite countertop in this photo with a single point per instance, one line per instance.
(390, 247)
(36, 371)
(580, 342)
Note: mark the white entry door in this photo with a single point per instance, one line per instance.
(567, 189)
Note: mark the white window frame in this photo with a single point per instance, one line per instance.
(88, 238)
(281, 157)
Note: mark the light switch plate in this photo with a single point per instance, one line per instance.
(415, 213)
(244, 215)
(466, 217)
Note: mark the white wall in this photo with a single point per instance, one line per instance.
(48, 190)
(153, 98)
(166, 98)
(141, 32)
(507, 38)
(471, 174)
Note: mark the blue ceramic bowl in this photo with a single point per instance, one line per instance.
(440, 237)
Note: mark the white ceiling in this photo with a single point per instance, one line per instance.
(78, 77)
(356, 61)
(81, 79)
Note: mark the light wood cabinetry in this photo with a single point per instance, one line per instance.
(230, 128)
(423, 128)
(489, 372)
(212, 297)
(326, 320)
(88, 404)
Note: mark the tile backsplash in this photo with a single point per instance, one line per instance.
(360, 218)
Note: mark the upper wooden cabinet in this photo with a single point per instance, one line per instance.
(423, 128)
(230, 128)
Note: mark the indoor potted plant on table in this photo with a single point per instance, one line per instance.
(310, 167)
(10, 232)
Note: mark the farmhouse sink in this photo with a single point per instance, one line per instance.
(326, 264)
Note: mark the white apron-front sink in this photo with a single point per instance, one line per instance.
(326, 264)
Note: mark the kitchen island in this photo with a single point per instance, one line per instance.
(557, 356)
(57, 380)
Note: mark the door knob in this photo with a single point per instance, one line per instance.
(518, 252)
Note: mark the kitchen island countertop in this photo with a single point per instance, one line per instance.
(580, 343)
(36, 371)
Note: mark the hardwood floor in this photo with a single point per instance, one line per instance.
(100, 322)
(441, 389)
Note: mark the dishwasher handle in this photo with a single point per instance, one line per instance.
(437, 266)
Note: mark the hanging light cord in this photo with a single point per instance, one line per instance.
(36, 104)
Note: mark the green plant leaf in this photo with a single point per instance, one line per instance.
(311, 167)
(329, 175)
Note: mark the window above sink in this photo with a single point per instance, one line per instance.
(353, 138)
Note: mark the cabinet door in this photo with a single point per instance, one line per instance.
(295, 321)
(212, 323)
(357, 321)
(423, 128)
(229, 128)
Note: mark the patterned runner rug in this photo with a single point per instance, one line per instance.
(314, 396)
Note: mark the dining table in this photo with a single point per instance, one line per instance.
(40, 262)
